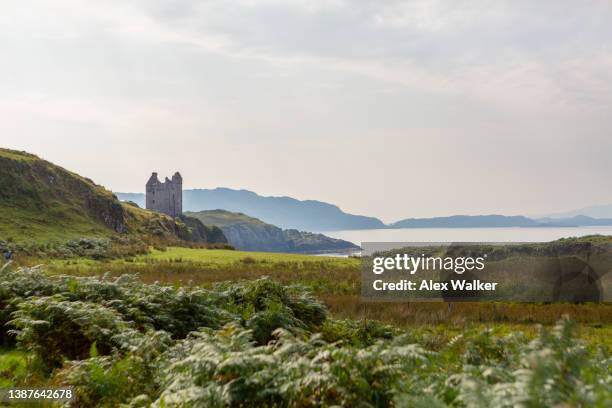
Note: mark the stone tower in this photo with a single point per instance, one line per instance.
(166, 197)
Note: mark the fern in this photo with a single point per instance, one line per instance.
(120, 342)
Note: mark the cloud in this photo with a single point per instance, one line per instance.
(306, 6)
(290, 81)
(438, 15)
(506, 52)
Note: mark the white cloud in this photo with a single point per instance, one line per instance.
(307, 6)
(438, 15)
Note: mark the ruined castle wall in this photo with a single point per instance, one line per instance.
(166, 197)
(177, 182)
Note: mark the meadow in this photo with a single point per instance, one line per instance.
(335, 280)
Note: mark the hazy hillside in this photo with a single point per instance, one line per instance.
(287, 212)
(284, 212)
(466, 221)
(578, 220)
(594, 211)
(248, 233)
(46, 203)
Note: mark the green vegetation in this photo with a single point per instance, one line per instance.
(335, 280)
(210, 259)
(222, 257)
(204, 267)
(43, 201)
(225, 369)
(13, 367)
(205, 341)
(259, 343)
(222, 218)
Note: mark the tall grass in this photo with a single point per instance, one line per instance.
(335, 280)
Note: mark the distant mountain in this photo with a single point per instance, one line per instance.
(595, 211)
(310, 215)
(284, 212)
(577, 221)
(252, 234)
(467, 221)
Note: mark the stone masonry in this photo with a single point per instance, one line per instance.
(166, 197)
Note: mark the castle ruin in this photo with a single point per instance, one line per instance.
(166, 197)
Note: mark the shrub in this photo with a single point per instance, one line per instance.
(555, 369)
(53, 328)
(149, 307)
(111, 380)
(266, 305)
(219, 369)
(357, 333)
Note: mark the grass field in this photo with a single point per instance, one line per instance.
(335, 280)
(204, 267)
(224, 257)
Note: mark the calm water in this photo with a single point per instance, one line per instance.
(465, 234)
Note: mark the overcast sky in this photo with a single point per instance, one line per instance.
(387, 108)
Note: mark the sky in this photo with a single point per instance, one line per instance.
(386, 108)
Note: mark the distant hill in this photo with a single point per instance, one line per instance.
(252, 234)
(41, 202)
(467, 221)
(577, 221)
(284, 212)
(310, 215)
(594, 211)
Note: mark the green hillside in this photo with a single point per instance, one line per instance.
(44, 203)
(252, 234)
(222, 218)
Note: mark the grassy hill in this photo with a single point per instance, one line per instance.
(46, 204)
(222, 218)
(252, 234)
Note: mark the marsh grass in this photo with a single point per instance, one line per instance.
(402, 314)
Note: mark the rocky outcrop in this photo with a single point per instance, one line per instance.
(198, 232)
(309, 242)
(109, 211)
